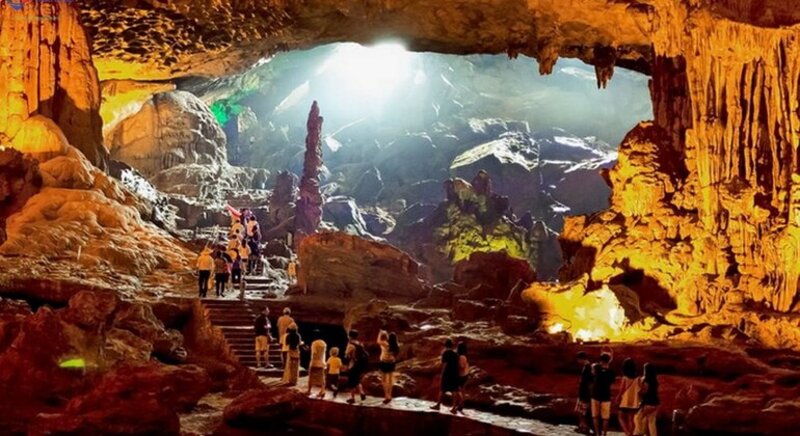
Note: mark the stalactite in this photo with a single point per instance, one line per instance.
(547, 54)
(726, 99)
(604, 60)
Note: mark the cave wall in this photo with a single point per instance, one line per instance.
(705, 198)
(46, 69)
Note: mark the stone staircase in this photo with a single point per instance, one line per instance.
(259, 287)
(235, 318)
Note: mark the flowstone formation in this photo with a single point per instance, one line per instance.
(47, 79)
(308, 209)
(704, 214)
(171, 129)
(82, 229)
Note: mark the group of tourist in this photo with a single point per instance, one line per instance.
(228, 263)
(324, 374)
(637, 399)
(454, 375)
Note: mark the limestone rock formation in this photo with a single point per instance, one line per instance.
(465, 223)
(171, 129)
(282, 206)
(86, 335)
(47, 70)
(124, 98)
(131, 399)
(175, 141)
(345, 266)
(308, 209)
(493, 275)
(81, 214)
(241, 33)
(345, 215)
(19, 181)
(513, 162)
(265, 408)
(369, 186)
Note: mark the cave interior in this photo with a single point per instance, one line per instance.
(531, 179)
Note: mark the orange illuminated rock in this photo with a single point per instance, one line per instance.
(345, 266)
(47, 69)
(20, 179)
(86, 216)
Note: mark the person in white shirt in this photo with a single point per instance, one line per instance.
(316, 367)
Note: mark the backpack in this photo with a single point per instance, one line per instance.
(361, 357)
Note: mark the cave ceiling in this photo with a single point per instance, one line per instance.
(155, 40)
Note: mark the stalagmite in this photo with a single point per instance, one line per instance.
(308, 213)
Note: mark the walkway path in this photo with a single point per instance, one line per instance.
(516, 425)
(235, 319)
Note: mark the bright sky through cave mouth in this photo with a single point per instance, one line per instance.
(372, 69)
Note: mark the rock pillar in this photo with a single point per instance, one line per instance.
(308, 214)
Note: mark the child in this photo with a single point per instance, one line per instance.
(334, 367)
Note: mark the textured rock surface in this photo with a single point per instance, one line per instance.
(239, 33)
(47, 70)
(345, 215)
(170, 129)
(466, 222)
(265, 408)
(84, 330)
(130, 400)
(19, 181)
(85, 216)
(280, 220)
(308, 209)
(703, 214)
(341, 265)
(493, 275)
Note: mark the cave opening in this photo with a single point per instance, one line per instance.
(399, 124)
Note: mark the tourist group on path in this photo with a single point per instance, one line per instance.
(347, 371)
(227, 264)
(637, 399)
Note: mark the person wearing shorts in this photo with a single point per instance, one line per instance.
(334, 368)
(262, 328)
(601, 394)
(450, 382)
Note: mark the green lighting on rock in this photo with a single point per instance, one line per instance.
(77, 363)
